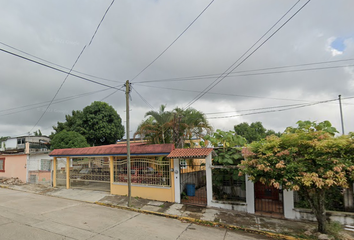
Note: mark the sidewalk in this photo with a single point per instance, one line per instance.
(273, 227)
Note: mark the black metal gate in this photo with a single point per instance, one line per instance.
(268, 199)
(193, 182)
(90, 173)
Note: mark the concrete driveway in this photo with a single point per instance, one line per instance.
(30, 216)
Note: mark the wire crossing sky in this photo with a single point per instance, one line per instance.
(177, 53)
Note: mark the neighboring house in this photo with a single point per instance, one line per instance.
(26, 158)
(105, 168)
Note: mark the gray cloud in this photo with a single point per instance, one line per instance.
(135, 32)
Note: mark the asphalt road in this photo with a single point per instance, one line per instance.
(31, 216)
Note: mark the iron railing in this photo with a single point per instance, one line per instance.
(144, 171)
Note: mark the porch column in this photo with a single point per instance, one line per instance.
(111, 172)
(67, 170)
(54, 172)
(209, 182)
(249, 195)
(177, 180)
(288, 201)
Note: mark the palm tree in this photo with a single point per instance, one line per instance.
(173, 126)
(195, 125)
(156, 126)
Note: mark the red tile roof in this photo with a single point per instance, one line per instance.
(190, 153)
(115, 150)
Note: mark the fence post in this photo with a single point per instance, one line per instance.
(209, 182)
(250, 195)
(67, 168)
(54, 172)
(288, 204)
(177, 180)
(111, 173)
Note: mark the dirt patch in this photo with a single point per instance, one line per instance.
(11, 181)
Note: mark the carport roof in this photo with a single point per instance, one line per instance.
(137, 149)
(190, 153)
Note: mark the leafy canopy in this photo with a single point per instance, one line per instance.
(99, 123)
(68, 139)
(227, 146)
(174, 126)
(253, 132)
(308, 159)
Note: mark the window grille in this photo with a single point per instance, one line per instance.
(46, 165)
(143, 171)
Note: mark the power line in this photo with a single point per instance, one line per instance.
(173, 41)
(112, 93)
(61, 85)
(221, 77)
(255, 109)
(249, 72)
(224, 94)
(274, 110)
(104, 15)
(42, 104)
(56, 69)
(142, 98)
(44, 60)
(77, 59)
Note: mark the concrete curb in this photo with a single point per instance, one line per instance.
(202, 222)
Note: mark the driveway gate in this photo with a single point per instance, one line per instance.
(268, 199)
(193, 182)
(90, 173)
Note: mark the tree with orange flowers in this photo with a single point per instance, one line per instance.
(308, 159)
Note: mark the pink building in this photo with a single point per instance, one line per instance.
(26, 158)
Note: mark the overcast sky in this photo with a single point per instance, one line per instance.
(308, 61)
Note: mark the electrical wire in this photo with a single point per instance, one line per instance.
(147, 103)
(77, 59)
(104, 15)
(255, 109)
(172, 42)
(274, 110)
(112, 94)
(223, 94)
(249, 72)
(42, 104)
(221, 77)
(44, 60)
(56, 69)
(61, 85)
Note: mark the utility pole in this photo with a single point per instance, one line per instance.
(127, 91)
(341, 112)
(348, 193)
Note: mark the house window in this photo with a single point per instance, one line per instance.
(183, 163)
(46, 164)
(2, 164)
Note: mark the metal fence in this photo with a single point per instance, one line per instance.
(90, 173)
(144, 171)
(227, 185)
(61, 172)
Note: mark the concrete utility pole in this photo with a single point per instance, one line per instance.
(127, 91)
(341, 112)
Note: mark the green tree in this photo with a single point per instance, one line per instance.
(253, 132)
(173, 126)
(227, 146)
(38, 133)
(68, 139)
(162, 122)
(99, 123)
(307, 159)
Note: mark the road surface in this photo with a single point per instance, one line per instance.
(30, 216)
